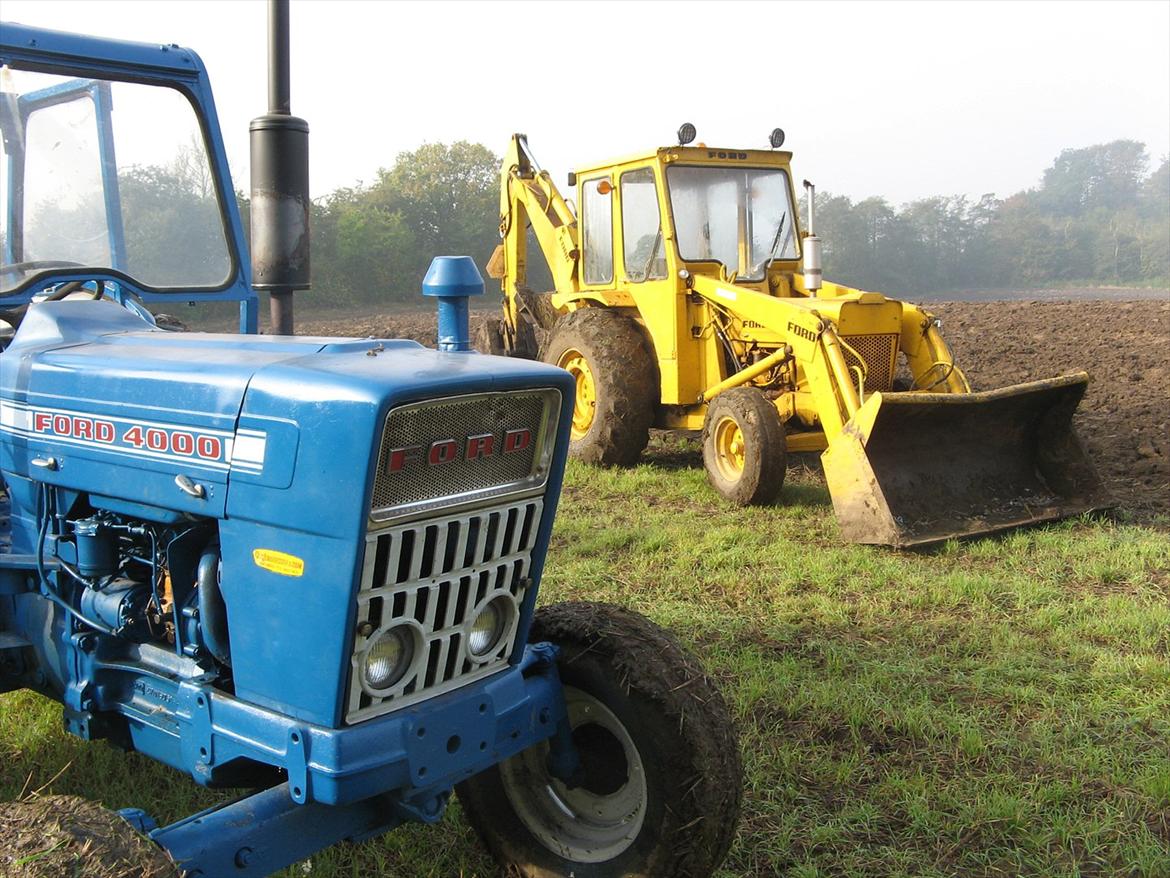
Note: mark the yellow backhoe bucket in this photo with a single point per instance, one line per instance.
(911, 469)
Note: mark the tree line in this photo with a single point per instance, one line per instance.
(1098, 216)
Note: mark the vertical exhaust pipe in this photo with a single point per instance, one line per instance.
(812, 245)
(453, 280)
(280, 184)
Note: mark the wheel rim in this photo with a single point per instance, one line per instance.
(730, 449)
(598, 820)
(585, 403)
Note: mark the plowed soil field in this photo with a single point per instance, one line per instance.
(1124, 418)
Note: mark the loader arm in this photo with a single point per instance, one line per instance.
(913, 468)
(530, 199)
(803, 334)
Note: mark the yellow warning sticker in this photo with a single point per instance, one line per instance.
(279, 562)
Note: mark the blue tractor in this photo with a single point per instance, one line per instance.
(306, 568)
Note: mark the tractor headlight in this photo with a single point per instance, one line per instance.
(489, 625)
(388, 657)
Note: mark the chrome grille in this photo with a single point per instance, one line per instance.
(423, 483)
(433, 574)
(878, 352)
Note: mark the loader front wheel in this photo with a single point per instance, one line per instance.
(662, 783)
(743, 447)
(617, 384)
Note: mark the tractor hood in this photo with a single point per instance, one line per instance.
(164, 425)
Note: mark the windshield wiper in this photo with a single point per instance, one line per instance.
(776, 246)
(653, 252)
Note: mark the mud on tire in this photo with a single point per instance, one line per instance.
(625, 678)
(491, 338)
(757, 474)
(625, 376)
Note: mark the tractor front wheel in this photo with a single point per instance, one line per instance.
(744, 447)
(662, 779)
(617, 384)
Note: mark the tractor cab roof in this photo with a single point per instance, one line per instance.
(695, 155)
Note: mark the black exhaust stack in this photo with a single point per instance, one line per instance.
(280, 185)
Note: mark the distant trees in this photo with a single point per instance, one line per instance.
(373, 244)
(1096, 217)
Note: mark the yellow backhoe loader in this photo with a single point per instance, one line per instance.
(688, 297)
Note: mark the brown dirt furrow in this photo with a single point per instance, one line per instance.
(1124, 418)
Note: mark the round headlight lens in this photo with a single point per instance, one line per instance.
(488, 627)
(388, 657)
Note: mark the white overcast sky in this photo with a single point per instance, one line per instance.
(901, 99)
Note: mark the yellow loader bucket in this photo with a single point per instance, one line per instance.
(911, 469)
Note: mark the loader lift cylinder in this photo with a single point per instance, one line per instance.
(280, 185)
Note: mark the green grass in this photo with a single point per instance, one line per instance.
(994, 707)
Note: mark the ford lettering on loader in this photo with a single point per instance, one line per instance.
(303, 568)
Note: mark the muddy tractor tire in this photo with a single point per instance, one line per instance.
(617, 384)
(663, 782)
(744, 447)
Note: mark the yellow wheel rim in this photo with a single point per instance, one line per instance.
(730, 450)
(585, 405)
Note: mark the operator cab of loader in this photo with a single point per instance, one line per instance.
(724, 213)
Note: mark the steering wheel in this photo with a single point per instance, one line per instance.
(38, 264)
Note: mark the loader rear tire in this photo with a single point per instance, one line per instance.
(663, 782)
(617, 384)
(744, 447)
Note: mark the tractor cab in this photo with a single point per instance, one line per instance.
(729, 214)
(112, 185)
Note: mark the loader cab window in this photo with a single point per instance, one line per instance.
(740, 217)
(642, 246)
(107, 174)
(597, 230)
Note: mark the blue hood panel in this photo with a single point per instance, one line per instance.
(290, 423)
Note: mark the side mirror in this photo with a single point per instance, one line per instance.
(572, 178)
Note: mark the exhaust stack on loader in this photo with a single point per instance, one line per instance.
(687, 297)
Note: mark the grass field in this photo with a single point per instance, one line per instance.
(996, 707)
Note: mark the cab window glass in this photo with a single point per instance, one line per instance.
(597, 230)
(642, 246)
(107, 174)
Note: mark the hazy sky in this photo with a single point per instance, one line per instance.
(900, 99)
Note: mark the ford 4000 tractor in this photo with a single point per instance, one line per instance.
(306, 568)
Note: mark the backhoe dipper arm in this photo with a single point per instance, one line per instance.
(528, 197)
